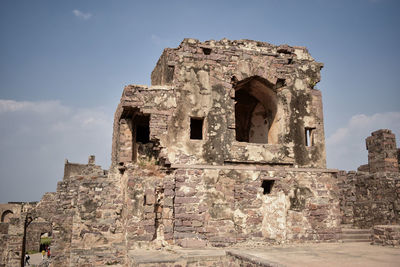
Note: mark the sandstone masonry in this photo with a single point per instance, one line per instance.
(226, 147)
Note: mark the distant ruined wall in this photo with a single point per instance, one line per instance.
(370, 199)
(12, 222)
(11, 236)
(371, 196)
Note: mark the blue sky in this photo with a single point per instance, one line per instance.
(63, 65)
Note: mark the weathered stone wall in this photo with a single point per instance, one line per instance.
(33, 233)
(378, 199)
(223, 206)
(227, 146)
(368, 199)
(86, 225)
(371, 196)
(11, 239)
(347, 196)
(98, 219)
(149, 206)
(13, 215)
(386, 235)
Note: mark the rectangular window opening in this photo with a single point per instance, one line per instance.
(267, 186)
(309, 136)
(169, 77)
(196, 128)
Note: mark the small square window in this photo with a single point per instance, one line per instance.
(196, 128)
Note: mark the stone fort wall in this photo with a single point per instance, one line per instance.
(371, 196)
(226, 147)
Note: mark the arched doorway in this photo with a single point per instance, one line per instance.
(6, 216)
(255, 111)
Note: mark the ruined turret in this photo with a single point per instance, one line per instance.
(225, 102)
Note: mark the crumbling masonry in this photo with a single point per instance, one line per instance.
(226, 147)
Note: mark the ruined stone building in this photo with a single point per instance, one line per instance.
(226, 147)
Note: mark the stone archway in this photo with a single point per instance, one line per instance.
(6, 216)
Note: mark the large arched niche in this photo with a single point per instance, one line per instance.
(256, 108)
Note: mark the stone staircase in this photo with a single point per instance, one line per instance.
(352, 234)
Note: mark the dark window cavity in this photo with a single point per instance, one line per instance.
(196, 128)
(142, 129)
(206, 51)
(267, 186)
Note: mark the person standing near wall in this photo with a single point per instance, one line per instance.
(27, 258)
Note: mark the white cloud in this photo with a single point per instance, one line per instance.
(81, 15)
(7, 106)
(36, 137)
(157, 40)
(346, 147)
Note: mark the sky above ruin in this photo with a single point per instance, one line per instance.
(63, 66)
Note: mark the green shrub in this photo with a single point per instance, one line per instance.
(45, 241)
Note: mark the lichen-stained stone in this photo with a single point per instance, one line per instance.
(226, 147)
(257, 103)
